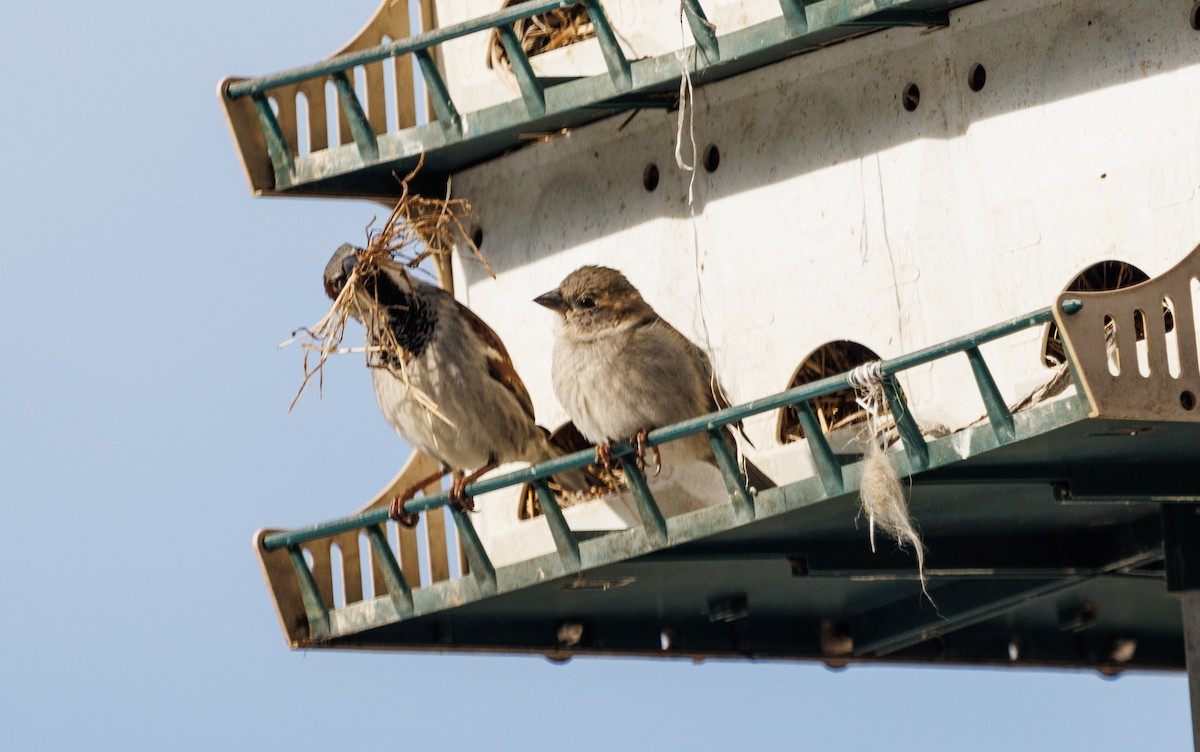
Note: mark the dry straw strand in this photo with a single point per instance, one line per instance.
(543, 32)
(417, 228)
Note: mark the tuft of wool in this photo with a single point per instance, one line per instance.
(880, 493)
(883, 500)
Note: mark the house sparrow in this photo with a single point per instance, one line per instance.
(427, 338)
(620, 370)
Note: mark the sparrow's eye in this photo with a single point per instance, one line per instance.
(587, 301)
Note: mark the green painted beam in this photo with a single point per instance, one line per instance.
(531, 89)
(653, 522)
(703, 31)
(314, 607)
(998, 414)
(481, 565)
(277, 147)
(795, 15)
(565, 540)
(606, 36)
(393, 578)
(439, 93)
(906, 425)
(731, 473)
(360, 129)
(828, 467)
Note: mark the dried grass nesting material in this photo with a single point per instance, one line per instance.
(837, 409)
(542, 33)
(882, 497)
(417, 228)
(1060, 375)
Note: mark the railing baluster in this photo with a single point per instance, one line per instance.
(653, 521)
(438, 92)
(314, 606)
(564, 539)
(743, 502)
(277, 146)
(827, 465)
(481, 566)
(795, 15)
(910, 432)
(393, 578)
(412, 44)
(998, 412)
(360, 128)
(531, 88)
(702, 30)
(614, 58)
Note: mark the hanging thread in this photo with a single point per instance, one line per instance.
(687, 109)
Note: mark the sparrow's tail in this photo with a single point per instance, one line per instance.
(568, 441)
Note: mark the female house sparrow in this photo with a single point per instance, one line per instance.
(620, 370)
(455, 359)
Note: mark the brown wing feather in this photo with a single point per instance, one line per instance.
(717, 399)
(500, 365)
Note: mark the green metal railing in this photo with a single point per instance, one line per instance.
(713, 424)
(417, 43)
(801, 24)
(419, 47)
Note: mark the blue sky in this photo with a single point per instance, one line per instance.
(146, 437)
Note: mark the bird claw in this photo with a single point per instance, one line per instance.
(604, 458)
(396, 509)
(639, 442)
(458, 495)
(606, 468)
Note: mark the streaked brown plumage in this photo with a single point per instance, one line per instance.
(455, 359)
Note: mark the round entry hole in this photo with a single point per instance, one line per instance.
(650, 177)
(976, 77)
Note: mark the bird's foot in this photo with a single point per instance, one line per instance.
(458, 494)
(639, 442)
(604, 458)
(396, 509)
(606, 468)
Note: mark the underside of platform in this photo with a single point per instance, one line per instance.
(1026, 565)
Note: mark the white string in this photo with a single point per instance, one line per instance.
(863, 377)
(687, 105)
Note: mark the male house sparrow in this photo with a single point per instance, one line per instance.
(449, 354)
(620, 370)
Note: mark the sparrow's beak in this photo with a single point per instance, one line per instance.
(552, 300)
